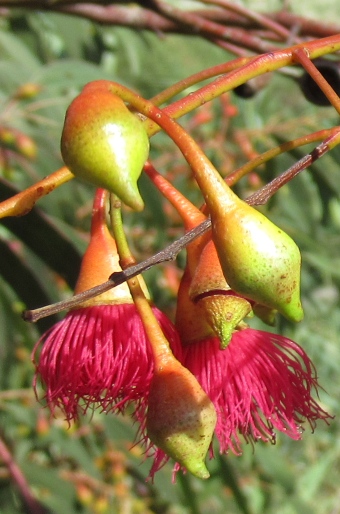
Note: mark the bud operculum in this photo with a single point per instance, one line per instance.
(104, 143)
(259, 260)
(181, 418)
(216, 303)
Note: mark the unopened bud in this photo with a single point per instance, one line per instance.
(181, 418)
(104, 143)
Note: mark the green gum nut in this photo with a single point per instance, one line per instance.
(260, 261)
(104, 143)
(181, 418)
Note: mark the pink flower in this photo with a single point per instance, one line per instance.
(98, 356)
(260, 383)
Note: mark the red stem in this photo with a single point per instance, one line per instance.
(190, 214)
(98, 211)
(33, 506)
(301, 55)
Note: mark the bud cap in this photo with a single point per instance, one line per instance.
(104, 143)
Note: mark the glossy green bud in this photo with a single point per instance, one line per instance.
(260, 261)
(181, 418)
(104, 143)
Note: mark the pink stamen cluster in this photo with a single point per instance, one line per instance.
(100, 357)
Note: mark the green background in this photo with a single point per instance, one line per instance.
(90, 468)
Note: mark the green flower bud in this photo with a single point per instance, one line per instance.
(18, 142)
(260, 261)
(104, 143)
(27, 91)
(181, 418)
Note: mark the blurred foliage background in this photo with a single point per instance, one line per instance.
(93, 467)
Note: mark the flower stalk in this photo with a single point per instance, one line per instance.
(180, 417)
(301, 55)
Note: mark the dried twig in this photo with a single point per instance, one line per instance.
(227, 24)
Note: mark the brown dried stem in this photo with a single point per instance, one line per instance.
(228, 25)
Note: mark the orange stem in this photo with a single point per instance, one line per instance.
(301, 55)
(21, 203)
(160, 346)
(190, 214)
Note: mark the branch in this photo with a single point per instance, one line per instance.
(204, 26)
(225, 24)
(171, 251)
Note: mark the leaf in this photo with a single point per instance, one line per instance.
(69, 75)
(56, 493)
(39, 233)
(12, 49)
(59, 34)
(277, 470)
(24, 281)
(312, 479)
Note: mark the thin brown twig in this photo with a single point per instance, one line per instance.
(306, 26)
(203, 26)
(237, 25)
(258, 18)
(137, 15)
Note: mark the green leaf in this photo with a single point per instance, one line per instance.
(23, 280)
(38, 232)
(12, 49)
